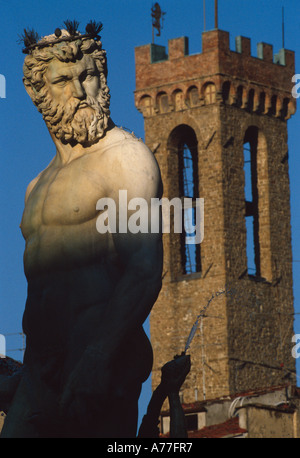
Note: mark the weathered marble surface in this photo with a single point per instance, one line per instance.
(88, 293)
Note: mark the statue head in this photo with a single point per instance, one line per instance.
(66, 80)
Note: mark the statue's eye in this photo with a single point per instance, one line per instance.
(89, 76)
(61, 82)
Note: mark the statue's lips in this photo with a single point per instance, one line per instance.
(83, 105)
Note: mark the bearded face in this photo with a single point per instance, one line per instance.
(74, 100)
(79, 121)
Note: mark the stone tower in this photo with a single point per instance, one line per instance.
(217, 124)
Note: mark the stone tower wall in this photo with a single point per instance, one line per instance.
(244, 340)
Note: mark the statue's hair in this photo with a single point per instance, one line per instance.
(36, 63)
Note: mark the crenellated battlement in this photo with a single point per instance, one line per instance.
(261, 83)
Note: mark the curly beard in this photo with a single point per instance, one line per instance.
(79, 121)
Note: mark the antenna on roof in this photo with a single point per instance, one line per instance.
(283, 27)
(204, 20)
(216, 14)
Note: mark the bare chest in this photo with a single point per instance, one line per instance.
(64, 196)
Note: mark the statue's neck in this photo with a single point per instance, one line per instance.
(66, 152)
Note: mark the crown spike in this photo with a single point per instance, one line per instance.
(93, 28)
(29, 37)
(71, 26)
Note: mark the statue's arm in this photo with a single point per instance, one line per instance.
(173, 375)
(141, 256)
(136, 291)
(149, 426)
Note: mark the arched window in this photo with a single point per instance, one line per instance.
(178, 100)
(262, 102)
(285, 108)
(188, 178)
(251, 202)
(146, 105)
(226, 91)
(210, 93)
(257, 204)
(193, 96)
(250, 103)
(162, 102)
(240, 96)
(183, 143)
(273, 107)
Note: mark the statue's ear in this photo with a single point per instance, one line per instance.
(29, 89)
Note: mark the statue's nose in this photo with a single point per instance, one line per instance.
(78, 90)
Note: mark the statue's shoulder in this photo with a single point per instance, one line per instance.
(134, 162)
(35, 181)
(32, 185)
(125, 148)
(119, 139)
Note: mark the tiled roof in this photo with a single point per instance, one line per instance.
(229, 428)
(199, 406)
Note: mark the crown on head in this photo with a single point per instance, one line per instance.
(31, 39)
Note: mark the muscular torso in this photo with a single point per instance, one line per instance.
(59, 220)
(72, 269)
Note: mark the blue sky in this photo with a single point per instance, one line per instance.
(25, 144)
